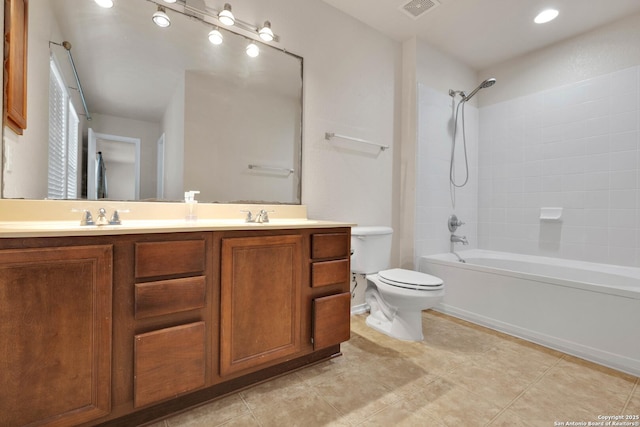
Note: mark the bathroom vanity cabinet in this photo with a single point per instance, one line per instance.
(123, 329)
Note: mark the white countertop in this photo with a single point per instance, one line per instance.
(9, 229)
(54, 218)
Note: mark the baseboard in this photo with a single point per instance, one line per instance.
(359, 309)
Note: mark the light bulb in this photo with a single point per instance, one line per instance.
(160, 18)
(253, 50)
(225, 16)
(215, 36)
(265, 32)
(105, 3)
(169, 1)
(546, 16)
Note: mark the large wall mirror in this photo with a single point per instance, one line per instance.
(170, 111)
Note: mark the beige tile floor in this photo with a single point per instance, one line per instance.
(460, 375)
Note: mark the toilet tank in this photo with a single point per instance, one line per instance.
(371, 248)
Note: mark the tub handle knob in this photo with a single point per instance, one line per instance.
(454, 223)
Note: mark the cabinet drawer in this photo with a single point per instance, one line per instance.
(331, 320)
(329, 273)
(330, 245)
(168, 362)
(169, 258)
(169, 296)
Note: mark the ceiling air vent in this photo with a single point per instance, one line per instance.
(417, 8)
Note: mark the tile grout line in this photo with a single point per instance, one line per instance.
(436, 377)
(319, 396)
(534, 382)
(249, 409)
(635, 387)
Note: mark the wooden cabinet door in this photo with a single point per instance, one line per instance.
(15, 63)
(260, 301)
(55, 335)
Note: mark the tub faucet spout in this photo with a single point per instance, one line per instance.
(458, 256)
(459, 239)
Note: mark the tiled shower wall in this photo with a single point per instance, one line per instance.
(575, 147)
(433, 201)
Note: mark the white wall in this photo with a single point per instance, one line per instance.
(350, 87)
(26, 156)
(563, 130)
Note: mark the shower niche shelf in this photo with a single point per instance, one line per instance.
(551, 214)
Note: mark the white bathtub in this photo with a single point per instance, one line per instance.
(585, 309)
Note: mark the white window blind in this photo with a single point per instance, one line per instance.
(63, 139)
(73, 141)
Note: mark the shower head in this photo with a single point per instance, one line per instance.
(485, 84)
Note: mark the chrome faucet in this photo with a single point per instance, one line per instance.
(453, 224)
(115, 218)
(87, 218)
(459, 239)
(458, 256)
(261, 217)
(102, 217)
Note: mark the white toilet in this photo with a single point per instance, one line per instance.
(396, 296)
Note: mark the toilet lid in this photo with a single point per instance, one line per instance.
(410, 279)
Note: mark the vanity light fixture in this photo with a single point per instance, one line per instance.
(105, 3)
(225, 16)
(221, 21)
(546, 16)
(253, 50)
(215, 36)
(160, 18)
(265, 32)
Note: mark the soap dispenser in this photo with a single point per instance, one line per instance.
(191, 206)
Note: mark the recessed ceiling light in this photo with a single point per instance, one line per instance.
(546, 16)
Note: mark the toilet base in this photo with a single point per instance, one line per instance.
(404, 326)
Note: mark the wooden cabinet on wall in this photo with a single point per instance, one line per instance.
(16, 19)
(55, 334)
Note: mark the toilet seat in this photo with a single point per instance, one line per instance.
(409, 279)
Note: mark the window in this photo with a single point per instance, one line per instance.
(64, 127)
